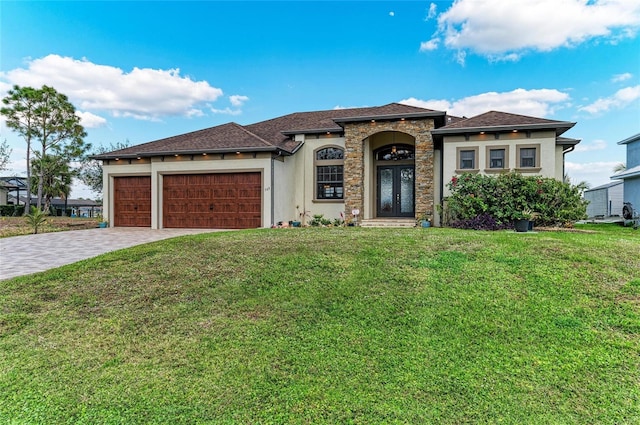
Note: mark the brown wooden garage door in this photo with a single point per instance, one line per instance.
(132, 201)
(212, 201)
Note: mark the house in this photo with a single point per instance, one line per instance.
(75, 207)
(384, 162)
(605, 200)
(631, 176)
(4, 192)
(10, 188)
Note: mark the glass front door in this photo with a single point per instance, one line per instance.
(395, 191)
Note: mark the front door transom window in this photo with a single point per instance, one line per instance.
(396, 153)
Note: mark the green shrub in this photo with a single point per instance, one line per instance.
(36, 218)
(504, 197)
(11, 210)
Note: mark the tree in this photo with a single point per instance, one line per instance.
(620, 167)
(36, 218)
(19, 112)
(91, 169)
(56, 177)
(5, 153)
(45, 116)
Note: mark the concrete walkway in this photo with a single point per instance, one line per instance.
(23, 255)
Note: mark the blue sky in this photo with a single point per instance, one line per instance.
(145, 70)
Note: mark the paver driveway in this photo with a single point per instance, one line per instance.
(22, 255)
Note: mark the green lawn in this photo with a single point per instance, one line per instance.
(336, 325)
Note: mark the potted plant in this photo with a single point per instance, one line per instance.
(524, 220)
(302, 215)
(101, 222)
(425, 220)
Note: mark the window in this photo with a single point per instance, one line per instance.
(329, 163)
(527, 157)
(396, 153)
(467, 160)
(496, 158)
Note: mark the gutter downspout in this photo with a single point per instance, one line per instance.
(442, 184)
(564, 152)
(273, 195)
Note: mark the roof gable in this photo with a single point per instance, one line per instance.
(503, 121)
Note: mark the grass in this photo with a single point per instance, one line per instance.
(336, 325)
(18, 226)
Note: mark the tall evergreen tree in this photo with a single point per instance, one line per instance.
(45, 116)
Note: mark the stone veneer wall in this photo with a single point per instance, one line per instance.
(355, 134)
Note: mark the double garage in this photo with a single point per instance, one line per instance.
(197, 201)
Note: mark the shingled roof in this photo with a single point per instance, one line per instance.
(270, 135)
(495, 121)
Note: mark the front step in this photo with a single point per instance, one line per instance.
(388, 222)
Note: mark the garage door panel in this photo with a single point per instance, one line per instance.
(132, 201)
(225, 200)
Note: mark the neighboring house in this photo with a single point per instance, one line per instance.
(13, 186)
(631, 176)
(391, 161)
(605, 200)
(78, 207)
(4, 193)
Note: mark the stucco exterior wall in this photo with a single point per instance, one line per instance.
(550, 155)
(330, 209)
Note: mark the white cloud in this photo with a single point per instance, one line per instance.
(433, 11)
(142, 93)
(596, 145)
(494, 28)
(621, 77)
(392, 13)
(619, 100)
(595, 173)
(238, 100)
(226, 111)
(538, 103)
(429, 45)
(89, 120)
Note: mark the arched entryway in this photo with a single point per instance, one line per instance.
(395, 181)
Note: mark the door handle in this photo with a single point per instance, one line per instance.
(211, 207)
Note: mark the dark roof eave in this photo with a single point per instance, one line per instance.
(391, 116)
(559, 127)
(313, 131)
(189, 152)
(563, 141)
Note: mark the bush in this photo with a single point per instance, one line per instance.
(504, 197)
(36, 218)
(11, 210)
(480, 222)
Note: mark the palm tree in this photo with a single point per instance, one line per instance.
(56, 177)
(620, 167)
